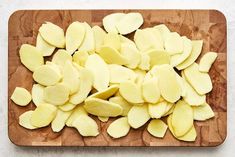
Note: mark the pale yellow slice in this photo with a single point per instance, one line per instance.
(99, 35)
(102, 108)
(105, 94)
(99, 70)
(163, 30)
(206, 61)
(88, 43)
(78, 111)
(61, 57)
(57, 94)
(150, 90)
(112, 40)
(37, 94)
(31, 57)
(43, 46)
(43, 115)
(80, 57)
(21, 96)
(125, 40)
(200, 81)
(157, 110)
(67, 107)
(138, 116)
(103, 119)
(58, 122)
(203, 112)
(158, 57)
(74, 37)
(119, 128)
(140, 75)
(52, 34)
(144, 62)
(123, 103)
(157, 128)
(24, 120)
(110, 21)
(174, 44)
(169, 109)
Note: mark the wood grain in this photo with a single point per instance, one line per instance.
(209, 25)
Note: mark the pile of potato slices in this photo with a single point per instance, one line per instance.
(101, 72)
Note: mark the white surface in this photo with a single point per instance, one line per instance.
(9, 6)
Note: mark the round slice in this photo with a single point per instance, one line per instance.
(58, 122)
(110, 21)
(203, 112)
(61, 57)
(21, 96)
(157, 110)
(99, 35)
(119, 128)
(174, 43)
(24, 120)
(43, 46)
(150, 90)
(157, 128)
(37, 94)
(123, 103)
(158, 57)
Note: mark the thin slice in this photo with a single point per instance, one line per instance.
(99, 35)
(21, 96)
(24, 120)
(157, 110)
(163, 30)
(88, 43)
(158, 57)
(157, 128)
(123, 103)
(112, 40)
(174, 43)
(80, 57)
(150, 90)
(119, 128)
(144, 62)
(37, 94)
(110, 21)
(78, 111)
(105, 94)
(67, 106)
(58, 122)
(203, 112)
(206, 61)
(43, 46)
(61, 57)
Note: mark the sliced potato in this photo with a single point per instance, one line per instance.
(123, 103)
(140, 76)
(52, 34)
(119, 128)
(182, 118)
(200, 81)
(169, 109)
(129, 23)
(74, 36)
(169, 86)
(158, 57)
(80, 57)
(102, 108)
(99, 70)
(57, 94)
(112, 40)
(206, 61)
(46, 75)
(180, 58)
(86, 81)
(61, 57)
(163, 30)
(58, 122)
(124, 40)
(21, 96)
(144, 62)
(110, 21)
(37, 94)
(157, 110)
(112, 56)
(43, 46)
(88, 43)
(196, 50)
(86, 126)
(105, 94)
(157, 128)
(150, 90)
(31, 57)
(67, 107)
(99, 35)
(174, 43)
(134, 118)
(24, 120)
(120, 74)
(131, 92)
(43, 115)
(78, 111)
(203, 112)
(103, 119)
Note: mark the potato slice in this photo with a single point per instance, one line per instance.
(131, 53)
(189, 136)
(206, 61)
(37, 94)
(61, 57)
(131, 92)
(169, 86)
(86, 81)
(134, 118)
(74, 36)
(120, 74)
(88, 43)
(57, 94)
(140, 76)
(46, 75)
(203, 112)
(157, 128)
(52, 34)
(196, 50)
(169, 109)
(180, 58)
(182, 118)
(71, 77)
(123, 103)
(30, 57)
(110, 21)
(102, 108)
(43, 115)
(124, 40)
(119, 128)
(99, 35)
(86, 126)
(144, 62)
(67, 107)
(78, 111)
(80, 57)
(192, 97)
(158, 57)
(174, 43)
(21, 96)
(112, 40)
(43, 46)
(99, 70)
(150, 90)
(105, 94)
(129, 23)
(58, 122)
(24, 120)
(157, 110)
(200, 81)
(103, 119)
(163, 30)
(112, 56)
(181, 82)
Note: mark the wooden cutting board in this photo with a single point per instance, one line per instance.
(209, 25)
